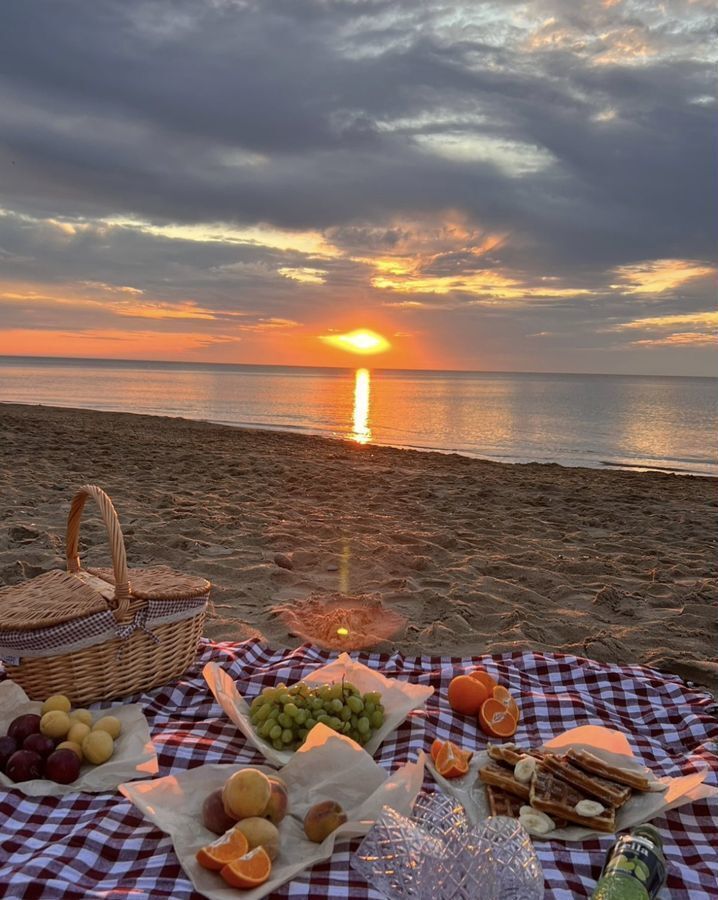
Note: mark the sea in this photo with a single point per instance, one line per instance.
(662, 423)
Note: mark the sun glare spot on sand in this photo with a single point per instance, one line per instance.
(359, 341)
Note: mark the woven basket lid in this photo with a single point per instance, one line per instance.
(159, 583)
(48, 599)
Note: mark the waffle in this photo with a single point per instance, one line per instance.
(510, 753)
(501, 803)
(590, 763)
(502, 776)
(607, 791)
(558, 799)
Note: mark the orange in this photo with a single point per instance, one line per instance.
(503, 695)
(451, 761)
(249, 870)
(435, 747)
(229, 846)
(466, 695)
(496, 720)
(483, 677)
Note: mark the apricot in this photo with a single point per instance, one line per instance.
(55, 724)
(81, 715)
(278, 801)
(323, 818)
(110, 724)
(78, 732)
(214, 816)
(260, 833)
(246, 793)
(97, 747)
(56, 702)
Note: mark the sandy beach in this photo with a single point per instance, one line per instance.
(478, 556)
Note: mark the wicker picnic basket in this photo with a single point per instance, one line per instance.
(97, 634)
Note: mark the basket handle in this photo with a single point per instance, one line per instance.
(114, 532)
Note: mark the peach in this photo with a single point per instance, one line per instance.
(214, 816)
(246, 793)
(322, 819)
(260, 833)
(278, 801)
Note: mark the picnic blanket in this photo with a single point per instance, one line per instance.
(89, 846)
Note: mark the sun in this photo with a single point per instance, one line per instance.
(362, 340)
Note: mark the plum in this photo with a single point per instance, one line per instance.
(39, 744)
(24, 726)
(24, 765)
(213, 813)
(62, 766)
(8, 745)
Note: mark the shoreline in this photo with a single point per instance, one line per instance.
(479, 556)
(600, 465)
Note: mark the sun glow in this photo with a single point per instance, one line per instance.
(359, 341)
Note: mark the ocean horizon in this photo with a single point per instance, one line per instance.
(642, 422)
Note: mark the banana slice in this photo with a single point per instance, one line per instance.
(524, 769)
(534, 821)
(589, 808)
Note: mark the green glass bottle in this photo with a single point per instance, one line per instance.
(635, 868)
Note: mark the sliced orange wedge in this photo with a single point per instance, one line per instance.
(451, 761)
(229, 846)
(249, 870)
(503, 695)
(495, 720)
(482, 676)
(435, 747)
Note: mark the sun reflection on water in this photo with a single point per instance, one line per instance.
(362, 432)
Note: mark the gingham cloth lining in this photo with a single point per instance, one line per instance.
(91, 846)
(88, 631)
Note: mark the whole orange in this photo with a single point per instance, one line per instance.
(466, 695)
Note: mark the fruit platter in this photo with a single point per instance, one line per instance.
(244, 831)
(345, 696)
(49, 748)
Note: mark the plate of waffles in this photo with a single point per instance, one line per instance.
(584, 783)
(575, 789)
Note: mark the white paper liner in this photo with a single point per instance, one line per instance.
(328, 766)
(612, 747)
(399, 698)
(134, 755)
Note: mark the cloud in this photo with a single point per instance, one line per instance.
(516, 168)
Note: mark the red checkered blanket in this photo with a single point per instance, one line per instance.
(90, 846)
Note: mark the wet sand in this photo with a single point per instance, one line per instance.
(478, 556)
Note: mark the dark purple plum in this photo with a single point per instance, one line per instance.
(62, 766)
(24, 726)
(24, 765)
(8, 746)
(39, 744)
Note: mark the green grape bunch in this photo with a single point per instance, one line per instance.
(283, 716)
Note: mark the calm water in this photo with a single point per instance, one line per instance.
(585, 420)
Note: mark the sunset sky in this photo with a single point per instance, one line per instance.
(489, 185)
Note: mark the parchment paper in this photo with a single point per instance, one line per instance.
(327, 766)
(398, 698)
(613, 748)
(134, 755)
